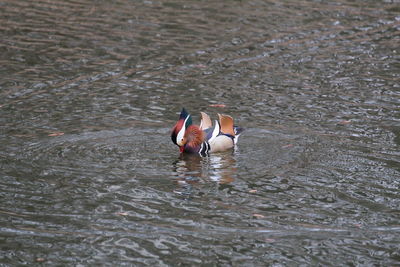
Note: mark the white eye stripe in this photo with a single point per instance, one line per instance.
(181, 133)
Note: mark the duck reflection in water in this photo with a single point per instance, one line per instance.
(195, 172)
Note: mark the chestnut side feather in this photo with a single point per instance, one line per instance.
(194, 136)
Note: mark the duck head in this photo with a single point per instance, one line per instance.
(179, 130)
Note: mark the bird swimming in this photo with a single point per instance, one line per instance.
(205, 138)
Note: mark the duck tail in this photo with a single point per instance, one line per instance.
(238, 130)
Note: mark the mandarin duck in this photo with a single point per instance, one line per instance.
(205, 138)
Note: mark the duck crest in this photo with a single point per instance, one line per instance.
(178, 132)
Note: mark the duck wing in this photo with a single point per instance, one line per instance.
(213, 132)
(227, 125)
(205, 121)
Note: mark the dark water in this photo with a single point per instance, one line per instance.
(89, 91)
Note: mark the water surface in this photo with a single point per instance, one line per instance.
(90, 90)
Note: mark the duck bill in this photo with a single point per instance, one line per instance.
(181, 148)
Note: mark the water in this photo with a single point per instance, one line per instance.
(90, 90)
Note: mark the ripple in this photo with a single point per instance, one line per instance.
(88, 95)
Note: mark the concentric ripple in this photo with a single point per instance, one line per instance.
(89, 93)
